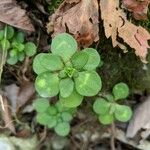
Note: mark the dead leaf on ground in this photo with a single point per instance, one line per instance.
(6, 114)
(12, 14)
(77, 18)
(116, 25)
(138, 8)
(19, 96)
(140, 119)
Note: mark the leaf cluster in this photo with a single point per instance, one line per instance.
(109, 110)
(67, 72)
(54, 116)
(15, 42)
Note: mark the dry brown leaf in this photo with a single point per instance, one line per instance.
(139, 9)
(19, 96)
(79, 19)
(6, 114)
(12, 14)
(140, 119)
(116, 25)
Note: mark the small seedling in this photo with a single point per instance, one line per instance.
(107, 108)
(54, 116)
(67, 72)
(15, 42)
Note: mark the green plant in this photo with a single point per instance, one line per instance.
(67, 72)
(54, 116)
(108, 109)
(15, 43)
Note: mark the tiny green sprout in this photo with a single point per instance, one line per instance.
(67, 71)
(55, 116)
(15, 43)
(107, 108)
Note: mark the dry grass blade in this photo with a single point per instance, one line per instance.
(6, 115)
(12, 14)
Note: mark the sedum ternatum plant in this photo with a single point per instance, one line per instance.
(67, 72)
(108, 109)
(15, 42)
(54, 116)
(70, 75)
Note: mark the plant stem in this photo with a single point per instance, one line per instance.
(112, 140)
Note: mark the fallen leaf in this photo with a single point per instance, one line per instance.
(140, 119)
(12, 14)
(116, 25)
(138, 8)
(78, 18)
(6, 114)
(19, 96)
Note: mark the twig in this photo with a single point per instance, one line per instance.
(112, 139)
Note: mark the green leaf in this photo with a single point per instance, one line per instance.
(123, 113)
(62, 74)
(18, 46)
(37, 63)
(73, 100)
(43, 118)
(52, 122)
(21, 56)
(62, 128)
(109, 97)
(120, 91)
(41, 105)
(30, 49)
(5, 44)
(88, 83)
(64, 45)
(106, 119)
(101, 106)
(52, 110)
(66, 87)
(12, 60)
(1, 34)
(20, 37)
(52, 62)
(66, 116)
(79, 59)
(13, 53)
(10, 32)
(94, 59)
(47, 84)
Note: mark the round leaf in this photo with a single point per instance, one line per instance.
(43, 118)
(88, 83)
(123, 113)
(52, 110)
(66, 87)
(5, 44)
(37, 63)
(47, 84)
(41, 105)
(120, 91)
(21, 56)
(52, 62)
(52, 122)
(10, 32)
(30, 49)
(93, 60)
(79, 59)
(106, 119)
(62, 129)
(66, 116)
(20, 37)
(64, 45)
(101, 106)
(12, 60)
(73, 100)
